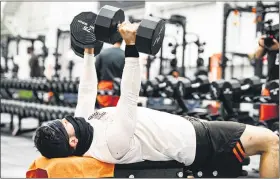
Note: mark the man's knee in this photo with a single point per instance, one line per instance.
(257, 140)
(273, 142)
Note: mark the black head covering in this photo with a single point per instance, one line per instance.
(84, 133)
(52, 140)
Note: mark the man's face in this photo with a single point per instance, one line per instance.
(73, 141)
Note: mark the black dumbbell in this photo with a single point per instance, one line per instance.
(174, 87)
(170, 86)
(216, 89)
(273, 88)
(149, 36)
(231, 88)
(252, 85)
(161, 87)
(201, 84)
(187, 87)
(154, 87)
(199, 87)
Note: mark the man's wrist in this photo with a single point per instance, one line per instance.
(131, 51)
(130, 42)
(89, 50)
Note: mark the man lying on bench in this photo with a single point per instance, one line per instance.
(129, 134)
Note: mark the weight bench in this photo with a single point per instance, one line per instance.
(86, 167)
(174, 169)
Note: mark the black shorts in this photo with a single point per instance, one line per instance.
(217, 141)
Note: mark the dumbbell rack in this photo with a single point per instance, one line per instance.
(163, 87)
(42, 112)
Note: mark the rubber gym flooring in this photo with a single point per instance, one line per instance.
(17, 153)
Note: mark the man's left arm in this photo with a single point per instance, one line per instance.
(121, 130)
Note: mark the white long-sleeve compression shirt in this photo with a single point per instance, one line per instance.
(127, 133)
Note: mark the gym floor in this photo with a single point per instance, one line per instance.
(18, 152)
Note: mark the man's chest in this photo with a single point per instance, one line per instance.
(101, 115)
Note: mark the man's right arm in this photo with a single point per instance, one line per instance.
(88, 86)
(98, 66)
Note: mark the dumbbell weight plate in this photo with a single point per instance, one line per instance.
(82, 29)
(231, 87)
(150, 35)
(106, 24)
(76, 47)
(77, 50)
